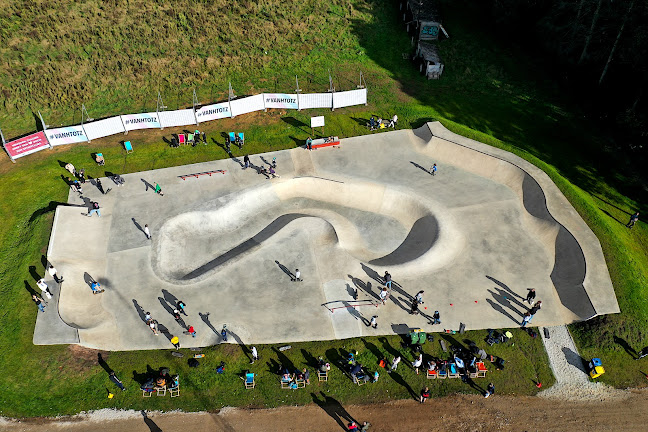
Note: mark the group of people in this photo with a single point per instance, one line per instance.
(528, 315)
(380, 124)
(161, 380)
(385, 292)
(293, 379)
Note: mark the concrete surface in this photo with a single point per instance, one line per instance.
(488, 226)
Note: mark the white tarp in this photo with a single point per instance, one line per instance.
(141, 121)
(66, 135)
(247, 105)
(280, 100)
(105, 127)
(213, 112)
(348, 98)
(315, 100)
(177, 118)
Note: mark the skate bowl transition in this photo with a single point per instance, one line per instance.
(475, 236)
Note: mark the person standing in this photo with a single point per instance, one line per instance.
(158, 189)
(176, 342)
(433, 170)
(43, 287)
(395, 362)
(95, 209)
(100, 187)
(39, 302)
(309, 143)
(633, 220)
(419, 297)
(147, 231)
(416, 364)
(536, 307)
(147, 317)
(436, 318)
(425, 395)
(255, 355)
(116, 380)
(526, 319)
(52, 271)
(297, 276)
(153, 326)
(181, 307)
(490, 390)
(191, 331)
(388, 280)
(306, 374)
(176, 315)
(384, 295)
(531, 295)
(246, 161)
(374, 323)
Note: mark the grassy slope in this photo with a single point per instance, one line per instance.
(484, 94)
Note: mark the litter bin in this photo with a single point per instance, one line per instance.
(596, 368)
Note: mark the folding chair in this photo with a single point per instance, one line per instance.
(147, 392)
(442, 375)
(190, 138)
(285, 384)
(473, 374)
(249, 380)
(161, 390)
(301, 383)
(128, 146)
(432, 374)
(181, 139)
(360, 380)
(453, 373)
(322, 376)
(481, 370)
(175, 391)
(232, 137)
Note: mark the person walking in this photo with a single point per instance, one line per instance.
(147, 231)
(536, 307)
(181, 307)
(414, 308)
(153, 326)
(297, 276)
(116, 380)
(255, 355)
(52, 271)
(246, 161)
(433, 170)
(176, 315)
(43, 287)
(384, 295)
(388, 280)
(633, 220)
(526, 319)
(39, 302)
(419, 297)
(490, 390)
(191, 331)
(94, 209)
(436, 318)
(147, 317)
(531, 295)
(374, 323)
(176, 342)
(416, 364)
(100, 187)
(81, 175)
(425, 395)
(158, 189)
(395, 362)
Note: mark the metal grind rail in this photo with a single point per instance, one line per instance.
(196, 175)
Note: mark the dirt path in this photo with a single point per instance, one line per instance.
(456, 413)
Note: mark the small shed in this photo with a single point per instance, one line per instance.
(428, 60)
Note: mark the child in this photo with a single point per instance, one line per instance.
(158, 189)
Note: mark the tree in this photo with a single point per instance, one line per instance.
(616, 42)
(588, 39)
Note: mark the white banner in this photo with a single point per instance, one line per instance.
(280, 100)
(247, 105)
(141, 121)
(66, 135)
(348, 98)
(105, 127)
(315, 100)
(177, 118)
(213, 112)
(317, 121)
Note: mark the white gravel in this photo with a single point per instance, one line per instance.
(572, 381)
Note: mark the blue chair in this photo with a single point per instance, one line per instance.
(128, 146)
(232, 137)
(249, 380)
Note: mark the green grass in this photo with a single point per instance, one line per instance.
(114, 61)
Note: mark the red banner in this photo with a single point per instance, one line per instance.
(26, 145)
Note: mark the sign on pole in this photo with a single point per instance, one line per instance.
(317, 121)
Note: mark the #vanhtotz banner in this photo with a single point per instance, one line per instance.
(26, 145)
(103, 128)
(213, 112)
(66, 135)
(141, 121)
(280, 100)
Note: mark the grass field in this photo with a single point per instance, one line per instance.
(113, 56)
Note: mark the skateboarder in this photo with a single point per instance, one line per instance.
(96, 287)
(297, 276)
(158, 189)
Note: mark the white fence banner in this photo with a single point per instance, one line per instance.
(247, 105)
(103, 128)
(66, 135)
(183, 117)
(315, 100)
(213, 112)
(348, 98)
(141, 121)
(280, 100)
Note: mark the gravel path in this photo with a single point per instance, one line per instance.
(572, 380)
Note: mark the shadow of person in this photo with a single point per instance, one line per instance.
(148, 185)
(608, 214)
(165, 305)
(399, 380)
(334, 409)
(372, 273)
(88, 279)
(387, 346)
(139, 309)
(173, 300)
(150, 423)
(309, 359)
(239, 342)
(34, 273)
(574, 359)
(205, 318)
(285, 361)
(420, 167)
(139, 227)
(626, 346)
(103, 363)
(285, 269)
(374, 350)
(29, 289)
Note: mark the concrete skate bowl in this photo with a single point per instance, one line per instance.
(570, 271)
(372, 223)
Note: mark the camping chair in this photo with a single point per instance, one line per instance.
(147, 392)
(100, 159)
(453, 373)
(481, 370)
(432, 374)
(322, 376)
(175, 391)
(360, 379)
(249, 380)
(128, 146)
(181, 139)
(190, 138)
(161, 390)
(285, 383)
(301, 383)
(442, 374)
(232, 137)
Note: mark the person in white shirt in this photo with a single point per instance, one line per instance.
(43, 286)
(297, 276)
(52, 271)
(147, 232)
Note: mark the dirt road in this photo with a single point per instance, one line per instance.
(455, 413)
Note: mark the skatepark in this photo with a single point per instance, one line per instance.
(474, 237)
